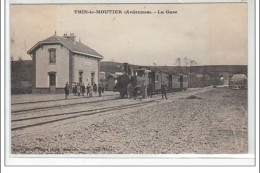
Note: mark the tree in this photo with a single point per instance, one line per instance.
(193, 63)
(16, 68)
(178, 61)
(186, 63)
(178, 64)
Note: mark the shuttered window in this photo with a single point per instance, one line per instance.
(52, 54)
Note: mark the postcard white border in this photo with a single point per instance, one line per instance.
(137, 160)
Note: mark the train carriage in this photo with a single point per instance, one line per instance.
(175, 82)
(156, 77)
(179, 82)
(165, 79)
(157, 81)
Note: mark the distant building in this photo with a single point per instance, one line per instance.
(238, 80)
(102, 75)
(58, 60)
(21, 77)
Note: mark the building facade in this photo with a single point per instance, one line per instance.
(58, 60)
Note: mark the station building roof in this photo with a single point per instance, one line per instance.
(72, 45)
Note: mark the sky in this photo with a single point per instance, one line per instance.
(210, 34)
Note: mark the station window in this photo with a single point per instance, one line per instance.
(52, 55)
(157, 77)
(80, 76)
(92, 78)
(52, 79)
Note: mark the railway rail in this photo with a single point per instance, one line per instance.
(60, 106)
(22, 123)
(83, 113)
(70, 104)
(51, 100)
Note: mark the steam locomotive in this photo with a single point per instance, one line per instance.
(141, 77)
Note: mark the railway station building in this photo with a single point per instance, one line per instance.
(61, 59)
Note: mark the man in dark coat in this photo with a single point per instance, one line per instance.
(74, 89)
(67, 90)
(103, 87)
(99, 90)
(150, 90)
(164, 88)
(95, 88)
(83, 89)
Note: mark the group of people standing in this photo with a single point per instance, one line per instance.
(133, 91)
(79, 89)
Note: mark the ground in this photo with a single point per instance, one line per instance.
(202, 121)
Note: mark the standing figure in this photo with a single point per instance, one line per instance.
(74, 89)
(67, 90)
(99, 90)
(102, 87)
(163, 88)
(78, 89)
(143, 90)
(95, 88)
(88, 90)
(150, 90)
(129, 90)
(83, 89)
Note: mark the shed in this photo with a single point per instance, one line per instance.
(238, 80)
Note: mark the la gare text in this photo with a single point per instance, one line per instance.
(124, 12)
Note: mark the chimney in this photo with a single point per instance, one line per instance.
(72, 37)
(126, 68)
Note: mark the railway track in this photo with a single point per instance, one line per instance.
(22, 123)
(62, 116)
(59, 106)
(52, 100)
(71, 104)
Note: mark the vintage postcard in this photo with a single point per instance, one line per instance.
(136, 79)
